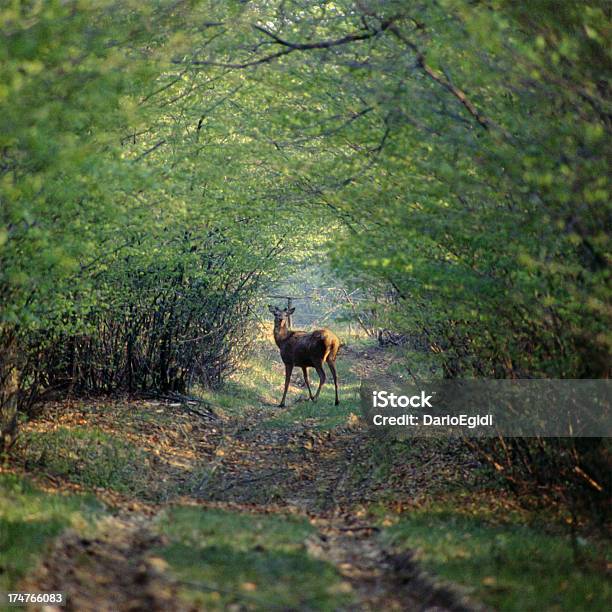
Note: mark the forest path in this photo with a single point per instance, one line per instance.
(294, 466)
(258, 461)
(115, 570)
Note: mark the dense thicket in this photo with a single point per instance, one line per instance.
(455, 152)
(126, 263)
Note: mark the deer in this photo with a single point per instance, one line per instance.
(305, 350)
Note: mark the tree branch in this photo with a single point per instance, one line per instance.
(447, 84)
(149, 151)
(290, 47)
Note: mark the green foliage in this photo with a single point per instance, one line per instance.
(460, 164)
(492, 239)
(461, 159)
(254, 560)
(61, 177)
(62, 182)
(128, 258)
(167, 316)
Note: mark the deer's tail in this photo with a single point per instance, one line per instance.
(330, 354)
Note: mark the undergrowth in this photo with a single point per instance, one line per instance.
(88, 456)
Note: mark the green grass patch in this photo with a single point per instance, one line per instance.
(233, 398)
(30, 518)
(88, 456)
(252, 560)
(322, 414)
(260, 385)
(508, 565)
(255, 385)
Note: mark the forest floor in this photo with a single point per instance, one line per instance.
(233, 503)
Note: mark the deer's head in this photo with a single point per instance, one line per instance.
(281, 316)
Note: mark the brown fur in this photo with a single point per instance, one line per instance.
(305, 350)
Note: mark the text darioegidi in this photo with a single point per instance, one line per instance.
(430, 420)
(384, 399)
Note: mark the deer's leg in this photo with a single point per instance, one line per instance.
(332, 367)
(321, 373)
(288, 370)
(307, 383)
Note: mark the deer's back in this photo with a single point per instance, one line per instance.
(304, 349)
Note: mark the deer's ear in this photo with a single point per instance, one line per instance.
(272, 309)
(290, 311)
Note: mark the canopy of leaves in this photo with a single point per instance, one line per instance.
(163, 164)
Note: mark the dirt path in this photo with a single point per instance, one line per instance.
(296, 469)
(114, 571)
(381, 579)
(310, 473)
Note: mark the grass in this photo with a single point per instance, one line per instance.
(254, 386)
(30, 518)
(252, 561)
(503, 562)
(475, 534)
(319, 415)
(87, 456)
(260, 385)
